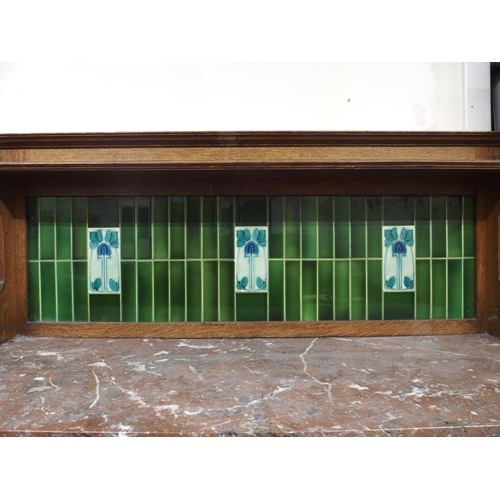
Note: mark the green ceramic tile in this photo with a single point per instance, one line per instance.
(398, 210)
(63, 228)
(177, 292)
(210, 291)
(193, 295)
(454, 211)
(103, 211)
(276, 228)
(374, 289)
(226, 227)
(341, 290)
(292, 291)
(48, 291)
(251, 306)
(342, 243)
(309, 227)
(455, 289)
(422, 226)
(80, 291)
(358, 290)
(144, 291)
(399, 305)
(193, 228)
(47, 228)
(64, 294)
(143, 230)
(129, 291)
(469, 288)
(80, 236)
(276, 290)
(226, 293)
(423, 289)
(438, 289)
(325, 289)
(292, 227)
(469, 226)
(160, 291)
(438, 211)
(358, 226)
(127, 227)
(209, 227)
(160, 227)
(104, 307)
(325, 227)
(251, 211)
(32, 218)
(374, 226)
(177, 228)
(309, 290)
(33, 292)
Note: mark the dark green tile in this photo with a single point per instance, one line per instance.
(80, 291)
(399, 305)
(251, 211)
(438, 210)
(374, 226)
(292, 291)
(422, 226)
(177, 227)
(469, 226)
(325, 227)
(226, 284)
(209, 227)
(358, 226)
(341, 290)
(129, 291)
(309, 227)
(33, 292)
(103, 211)
(325, 289)
(63, 228)
(438, 289)
(80, 235)
(342, 217)
(105, 307)
(32, 217)
(144, 291)
(469, 288)
(47, 228)
(144, 244)
(309, 290)
(423, 289)
(160, 227)
(210, 291)
(358, 290)
(455, 288)
(276, 290)
(398, 210)
(160, 291)
(193, 309)
(226, 227)
(48, 291)
(64, 294)
(454, 226)
(127, 227)
(292, 227)
(251, 306)
(276, 227)
(374, 289)
(177, 292)
(193, 228)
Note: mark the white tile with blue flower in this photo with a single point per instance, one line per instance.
(104, 260)
(398, 258)
(251, 258)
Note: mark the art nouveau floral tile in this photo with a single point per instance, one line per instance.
(104, 260)
(398, 258)
(251, 258)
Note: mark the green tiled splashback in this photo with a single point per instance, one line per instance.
(177, 258)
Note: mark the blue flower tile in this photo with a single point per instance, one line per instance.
(104, 260)
(251, 250)
(398, 258)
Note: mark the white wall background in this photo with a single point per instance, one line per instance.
(129, 97)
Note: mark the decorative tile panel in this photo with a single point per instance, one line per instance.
(251, 258)
(104, 260)
(399, 258)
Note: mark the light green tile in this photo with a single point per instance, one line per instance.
(276, 290)
(454, 212)
(160, 227)
(193, 295)
(341, 311)
(127, 227)
(325, 227)
(292, 227)
(48, 291)
(47, 228)
(177, 227)
(309, 290)
(276, 227)
(358, 226)
(358, 290)
(210, 290)
(160, 291)
(209, 227)
(193, 228)
(64, 292)
(129, 291)
(292, 290)
(309, 227)
(144, 291)
(226, 227)
(63, 228)
(438, 289)
(423, 289)
(226, 284)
